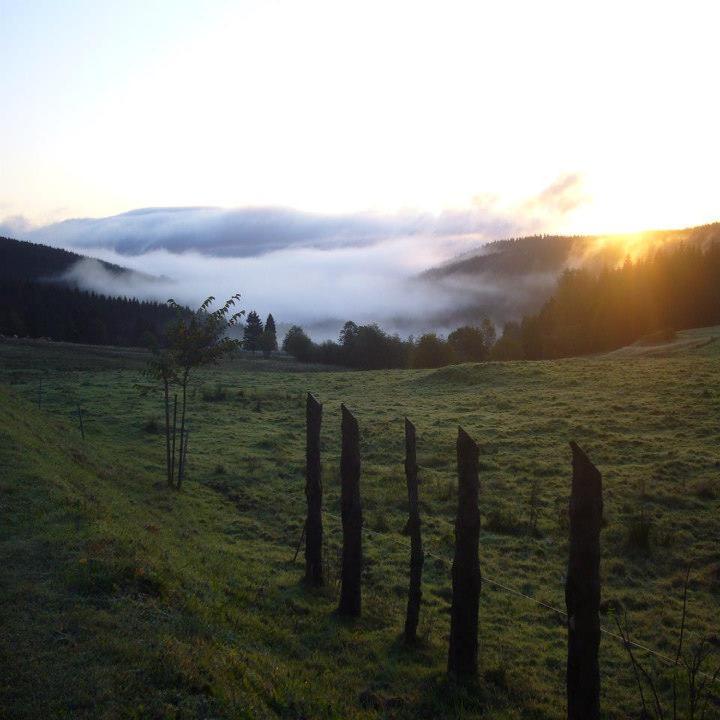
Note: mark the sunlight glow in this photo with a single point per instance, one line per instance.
(336, 106)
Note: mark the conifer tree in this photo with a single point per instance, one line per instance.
(253, 331)
(270, 343)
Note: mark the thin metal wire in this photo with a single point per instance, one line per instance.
(639, 646)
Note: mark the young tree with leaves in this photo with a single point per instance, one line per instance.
(298, 344)
(193, 340)
(162, 367)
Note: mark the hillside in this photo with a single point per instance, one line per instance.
(41, 295)
(130, 601)
(540, 254)
(21, 260)
(701, 340)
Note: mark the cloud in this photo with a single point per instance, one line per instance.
(251, 232)
(91, 274)
(313, 269)
(560, 198)
(255, 231)
(15, 226)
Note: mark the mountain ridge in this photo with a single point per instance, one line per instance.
(553, 253)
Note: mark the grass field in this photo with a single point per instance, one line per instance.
(123, 599)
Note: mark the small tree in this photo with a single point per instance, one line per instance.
(431, 352)
(268, 339)
(489, 332)
(298, 344)
(509, 346)
(348, 335)
(693, 676)
(271, 332)
(162, 367)
(468, 344)
(253, 332)
(193, 340)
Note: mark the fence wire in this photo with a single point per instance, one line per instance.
(513, 591)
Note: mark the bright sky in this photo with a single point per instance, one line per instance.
(341, 106)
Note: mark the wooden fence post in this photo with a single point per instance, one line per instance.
(582, 589)
(413, 529)
(351, 516)
(466, 581)
(313, 493)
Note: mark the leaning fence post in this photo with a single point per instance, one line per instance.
(582, 589)
(462, 657)
(351, 516)
(313, 493)
(413, 529)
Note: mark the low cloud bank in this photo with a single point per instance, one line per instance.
(251, 232)
(90, 274)
(311, 269)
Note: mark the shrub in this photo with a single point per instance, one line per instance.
(447, 491)
(639, 531)
(380, 522)
(534, 507)
(215, 394)
(503, 522)
(706, 490)
(431, 352)
(151, 426)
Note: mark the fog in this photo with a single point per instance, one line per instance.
(318, 289)
(312, 269)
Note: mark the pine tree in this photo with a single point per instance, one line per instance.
(270, 342)
(253, 331)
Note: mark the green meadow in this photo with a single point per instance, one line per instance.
(125, 599)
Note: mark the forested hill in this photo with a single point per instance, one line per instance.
(516, 256)
(675, 288)
(25, 260)
(37, 300)
(553, 253)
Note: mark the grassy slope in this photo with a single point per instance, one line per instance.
(128, 600)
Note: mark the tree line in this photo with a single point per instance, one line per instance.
(673, 288)
(43, 309)
(257, 336)
(369, 347)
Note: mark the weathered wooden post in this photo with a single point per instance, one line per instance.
(313, 493)
(582, 589)
(462, 657)
(351, 516)
(413, 529)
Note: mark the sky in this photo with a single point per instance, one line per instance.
(352, 124)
